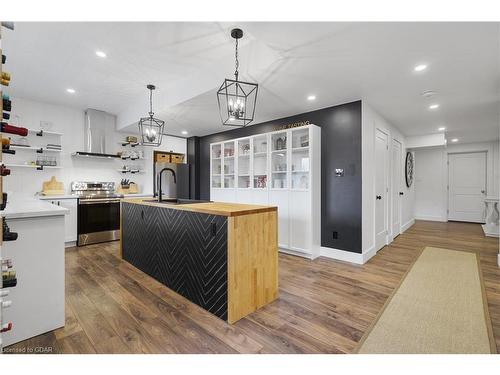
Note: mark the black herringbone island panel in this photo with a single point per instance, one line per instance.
(186, 251)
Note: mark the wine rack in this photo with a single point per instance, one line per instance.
(9, 277)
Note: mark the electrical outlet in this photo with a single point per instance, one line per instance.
(335, 235)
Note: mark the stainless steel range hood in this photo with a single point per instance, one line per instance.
(97, 129)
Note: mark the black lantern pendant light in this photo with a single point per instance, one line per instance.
(151, 128)
(237, 99)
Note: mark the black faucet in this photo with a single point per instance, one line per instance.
(159, 182)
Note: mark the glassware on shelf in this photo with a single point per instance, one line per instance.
(279, 141)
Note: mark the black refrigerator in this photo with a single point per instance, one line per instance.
(170, 189)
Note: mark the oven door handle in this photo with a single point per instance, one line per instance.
(97, 201)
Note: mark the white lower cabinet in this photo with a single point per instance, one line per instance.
(71, 219)
(281, 200)
(281, 168)
(300, 221)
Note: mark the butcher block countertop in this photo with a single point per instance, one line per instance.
(211, 208)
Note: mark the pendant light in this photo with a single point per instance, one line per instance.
(237, 99)
(151, 128)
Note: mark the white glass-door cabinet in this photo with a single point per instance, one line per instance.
(281, 168)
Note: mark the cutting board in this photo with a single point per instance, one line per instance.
(53, 187)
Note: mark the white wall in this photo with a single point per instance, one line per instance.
(431, 171)
(70, 121)
(371, 120)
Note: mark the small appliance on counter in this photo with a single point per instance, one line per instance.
(98, 212)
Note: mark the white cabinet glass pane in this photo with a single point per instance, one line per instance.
(279, 141)
(244, 149)
(216, 151)
(216, 181)
(260, 162)
(300, 138)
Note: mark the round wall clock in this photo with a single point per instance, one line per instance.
(409, 169)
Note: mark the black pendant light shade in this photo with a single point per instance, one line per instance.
(237, 99)
(151, 128)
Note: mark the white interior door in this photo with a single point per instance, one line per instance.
(466, 186)
(381, 171)
(397, 165)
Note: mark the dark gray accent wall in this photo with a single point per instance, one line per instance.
(340, 148)
(193, 158)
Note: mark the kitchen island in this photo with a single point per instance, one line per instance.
(221, 256)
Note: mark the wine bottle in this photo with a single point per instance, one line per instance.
(6, 327)
(7, 234)
(4, 59)
(4, 82)
(5, 304)
(4, 171)
(6, 128)
(6, 115)
(7, 104)
(6, 76)
(2, 206)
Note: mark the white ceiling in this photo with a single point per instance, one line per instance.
(338, 62)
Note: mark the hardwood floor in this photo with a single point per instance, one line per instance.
(325, 306)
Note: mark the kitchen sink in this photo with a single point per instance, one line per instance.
(176, 201)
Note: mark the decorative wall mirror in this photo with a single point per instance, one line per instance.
(409, 169)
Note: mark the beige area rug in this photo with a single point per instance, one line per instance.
(439, 307)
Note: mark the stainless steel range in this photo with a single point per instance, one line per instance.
(98, 212)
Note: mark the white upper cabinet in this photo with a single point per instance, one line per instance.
(281, 168)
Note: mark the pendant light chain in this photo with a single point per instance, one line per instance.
(151, 113)
(237, 62)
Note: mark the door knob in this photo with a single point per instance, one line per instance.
(483, 191)
(379, 197)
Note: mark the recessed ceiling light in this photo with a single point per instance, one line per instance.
(100, 54)
(184, 132)
(442, 129)
(434, 106)
(311, 97)
(454, 140)
(420, 67)
(71, 91)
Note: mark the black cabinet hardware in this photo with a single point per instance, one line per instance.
(379, 197)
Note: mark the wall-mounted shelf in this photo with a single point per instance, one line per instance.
(40, 150)
(131, 144)
(39, 167)
(132, 171)
(40, 132)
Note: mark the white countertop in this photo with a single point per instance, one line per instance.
(30, 207)
(72, 196)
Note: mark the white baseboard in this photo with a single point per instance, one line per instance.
(343, 255)
(296, 253)
(370, 253)
(407, 225)
(70, 244)
(431, 218)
